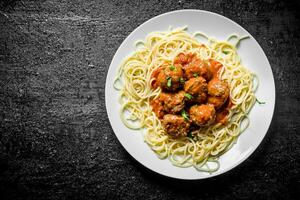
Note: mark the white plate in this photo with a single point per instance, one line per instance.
(252, 57)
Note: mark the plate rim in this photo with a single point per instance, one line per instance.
(217, 173)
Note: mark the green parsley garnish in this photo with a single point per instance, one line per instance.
(187, 95)
(195, 75)
(260, 102)
(172, 67)
(226, 52)
(169, 81)
(190, 135)
(185, 115)
(181, 80)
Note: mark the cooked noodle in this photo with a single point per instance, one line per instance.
(134, 82)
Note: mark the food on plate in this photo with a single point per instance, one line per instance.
(192, 99)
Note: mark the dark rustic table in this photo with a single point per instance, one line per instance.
(55, 138)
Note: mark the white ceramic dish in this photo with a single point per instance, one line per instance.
(252, 57)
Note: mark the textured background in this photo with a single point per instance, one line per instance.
(55, 139)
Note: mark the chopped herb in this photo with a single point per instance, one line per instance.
(226, 52)
(169, 83)
(190, 135)
(172, 67)
(187, 95)
(181, 80)
(260, 102)
(195, 75)
(185, 115)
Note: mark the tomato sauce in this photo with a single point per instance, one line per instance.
(157, 108)
(215, 68)
(188, 60)
(222, 113)
(154, 83)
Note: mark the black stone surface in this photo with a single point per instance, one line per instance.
(55, 139)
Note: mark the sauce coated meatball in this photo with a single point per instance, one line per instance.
(202, 115)
(197, 68)
(154, 76)
(157, 108)
(215, 67)
(172, 102)
(218, 91)
(217, 102)
(175, 125)
(197, 87)
(218, 88)
(183, 59)
(169, 77)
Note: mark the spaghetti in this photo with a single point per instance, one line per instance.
(203, 147)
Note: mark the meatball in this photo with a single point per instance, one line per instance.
(172, 102)
(197, 68)
(215, 67)
(202, 115)
(197, 87)
(169, 77)
(157, 108)
(218, 88)
(176, 125)
(217, 102)
(200, 98)
(154, 76)
(218, 91)
(184, 58)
